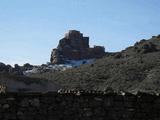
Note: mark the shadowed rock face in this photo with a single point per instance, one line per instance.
(74, 46)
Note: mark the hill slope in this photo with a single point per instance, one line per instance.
(136, 68)
(18, 83)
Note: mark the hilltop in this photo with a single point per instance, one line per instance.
(134, 69)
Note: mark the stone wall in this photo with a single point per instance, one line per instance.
(87, 106)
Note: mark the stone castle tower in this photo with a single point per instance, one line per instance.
(74, 46)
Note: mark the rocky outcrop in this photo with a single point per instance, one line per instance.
(74, 46)
(16, 70)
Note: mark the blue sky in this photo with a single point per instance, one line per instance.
(29, 29)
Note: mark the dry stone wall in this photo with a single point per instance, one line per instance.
(87, 106)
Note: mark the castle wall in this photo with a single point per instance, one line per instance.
(88, 106)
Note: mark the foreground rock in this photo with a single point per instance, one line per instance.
(88, 106)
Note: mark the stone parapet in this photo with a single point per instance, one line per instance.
(86, 106)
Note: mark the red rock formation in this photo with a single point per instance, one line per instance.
(75, 47)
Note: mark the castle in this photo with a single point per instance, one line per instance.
(74, 46)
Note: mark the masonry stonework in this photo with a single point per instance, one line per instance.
(88, 106)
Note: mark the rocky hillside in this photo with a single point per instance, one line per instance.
(14, 80)
(137, 68)
(15, 83)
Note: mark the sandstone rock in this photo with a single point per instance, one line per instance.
(35, 102)
(24, 103)
(5, 106)
(88, 112)
(74, 46)
(10, 99)
(20, 113)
